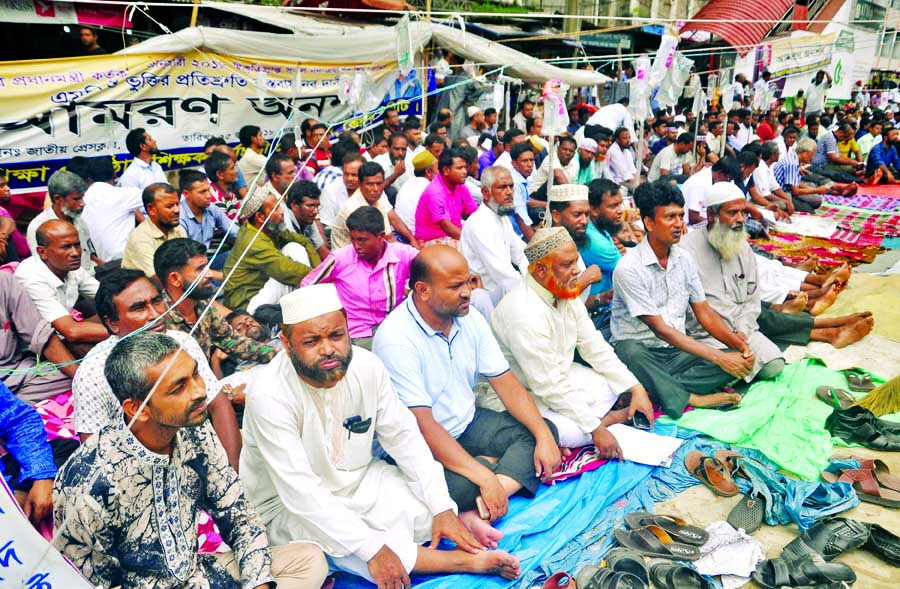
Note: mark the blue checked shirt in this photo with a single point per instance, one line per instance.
(787, 171)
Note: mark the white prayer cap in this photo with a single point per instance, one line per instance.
(568, 192)
(472, 111)
(254, 202)
(588, 144)
(545, 241)
(679, 119)
(722, 192)
(309, 302)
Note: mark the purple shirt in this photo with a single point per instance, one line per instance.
(437, 203)
(368, 293)
(18, 240)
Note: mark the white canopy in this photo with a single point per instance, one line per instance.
(316, 40)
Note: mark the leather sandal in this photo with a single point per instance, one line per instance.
(828, 538)
(836, 398)
(866, 486)
(878, 467)
(559, 580)
(655, 541)
(669, 575)
(859, 380)
(884, 544)
(809, 570)
(711, 473)
(593, 577)
(679, 529)
(858, 425)
(626, 560)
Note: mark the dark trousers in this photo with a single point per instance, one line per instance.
(806, 203)
(601, 318)
(835, 175)
(500, 436)
(670, 375)
(785, 329)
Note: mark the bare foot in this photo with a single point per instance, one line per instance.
(850, 190)
(714, 400)
(808, 265)
(795, 305)
(486, 534)
(840, 275)
(825, 301)
(875, 178)
(850, 334)
(496, 562)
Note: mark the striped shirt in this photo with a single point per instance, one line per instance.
(787, 171)
(368, 293)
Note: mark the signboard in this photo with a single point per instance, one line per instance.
(64, 13)
(607, 41)
(800, 55)
(27, 560)
(871, 12)
(56, 109)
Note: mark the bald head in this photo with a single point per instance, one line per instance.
(441, 282)
(59, 246)
(53, 229)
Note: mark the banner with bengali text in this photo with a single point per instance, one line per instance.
(799, 55)
(54, 110)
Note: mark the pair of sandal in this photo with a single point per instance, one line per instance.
(832, 537)
(625, 568)
(661, 536)
(872, 479)
(859, 381)
(806, 572)
(715, 471)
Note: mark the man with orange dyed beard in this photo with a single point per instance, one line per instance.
(539, 324)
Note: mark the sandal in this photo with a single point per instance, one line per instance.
(860, 381)
(866, 486)
(677, 528)
(625, 560)
(731, 460)
(669, 575)
(884, 544)
(593, 577)
(655, 541)
(879, 469)
(559, 581)
(711, 473)
(809, 570)
(828, 538)
(748, 514)
(836, 398)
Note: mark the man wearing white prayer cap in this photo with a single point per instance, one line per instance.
(475, 123)
(308, 466)
(540, 324)
(569, 208)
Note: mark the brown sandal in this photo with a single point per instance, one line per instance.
(711, 473)
(866, 486)
(879, 469)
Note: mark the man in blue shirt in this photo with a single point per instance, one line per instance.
(200, 220)
(829, 162)
(435, 348)
(522, 157)
(883, 165)
(607, 219)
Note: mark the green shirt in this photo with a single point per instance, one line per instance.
(262, 261)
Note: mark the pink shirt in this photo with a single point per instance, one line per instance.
(17, 239)
(368, 293)
(437, 203)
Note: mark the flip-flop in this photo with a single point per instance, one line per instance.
(559, 580)
(884, 544)
(828, 538)
(859, 381)
(866, 486)
(711, 473)
(655, 541)
(748, 514)
(809, 570)
(835, 398)
(879, 469)
(731, 460)
(669, 575)
(679, 529)
(626, 560)
(593, 577)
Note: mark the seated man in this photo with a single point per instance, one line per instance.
(141, 487)
(488, 241)
(126, 302)
(726, 169)
(302, 214)
(675, 161)
(180, 264)
(198, 217)
(540, 324)
(258, 249)
(55, 280)
(370, 193)
(370, 275)
(163, 222)
(110, 211)
(424, 170)
(806, 189)
(336, 194)
(27, 336)
(654, 285)
(326, 400)
(565, 171)
(435, 348)
(727, 269)
(883, 164)
(828, 161)
(445, 202)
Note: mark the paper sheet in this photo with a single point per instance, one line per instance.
(644, 447)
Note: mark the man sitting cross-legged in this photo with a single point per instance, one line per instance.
(435, 347)
(312, 415)
(654, 286)
(540, 324)
(127, 503)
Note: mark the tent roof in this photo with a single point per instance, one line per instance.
(326, 41)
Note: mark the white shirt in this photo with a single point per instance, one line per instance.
(667, 159)
(541, 174)
(384, 160)
(139, 174)
(95, 404)
(340, 235)
(54, 297)
(611, 116)
(251, 164)
(332, 199)
(504, 160)
(764, 178)
(109, 215)
(329, 488)
(491, 246)
(621, 163)
(815, 96)
(744, 134)
(694, 191)
(408, 199)
(539, 335)
(84, 234)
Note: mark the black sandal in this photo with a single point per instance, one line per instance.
(593, 577)
(670, 575)
(884, 544)
(809, 570)
(655, 541)
(677, 528)
(626, 560)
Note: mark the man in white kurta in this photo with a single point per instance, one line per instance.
(540, 324)
(488, 241)
(308, 465)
